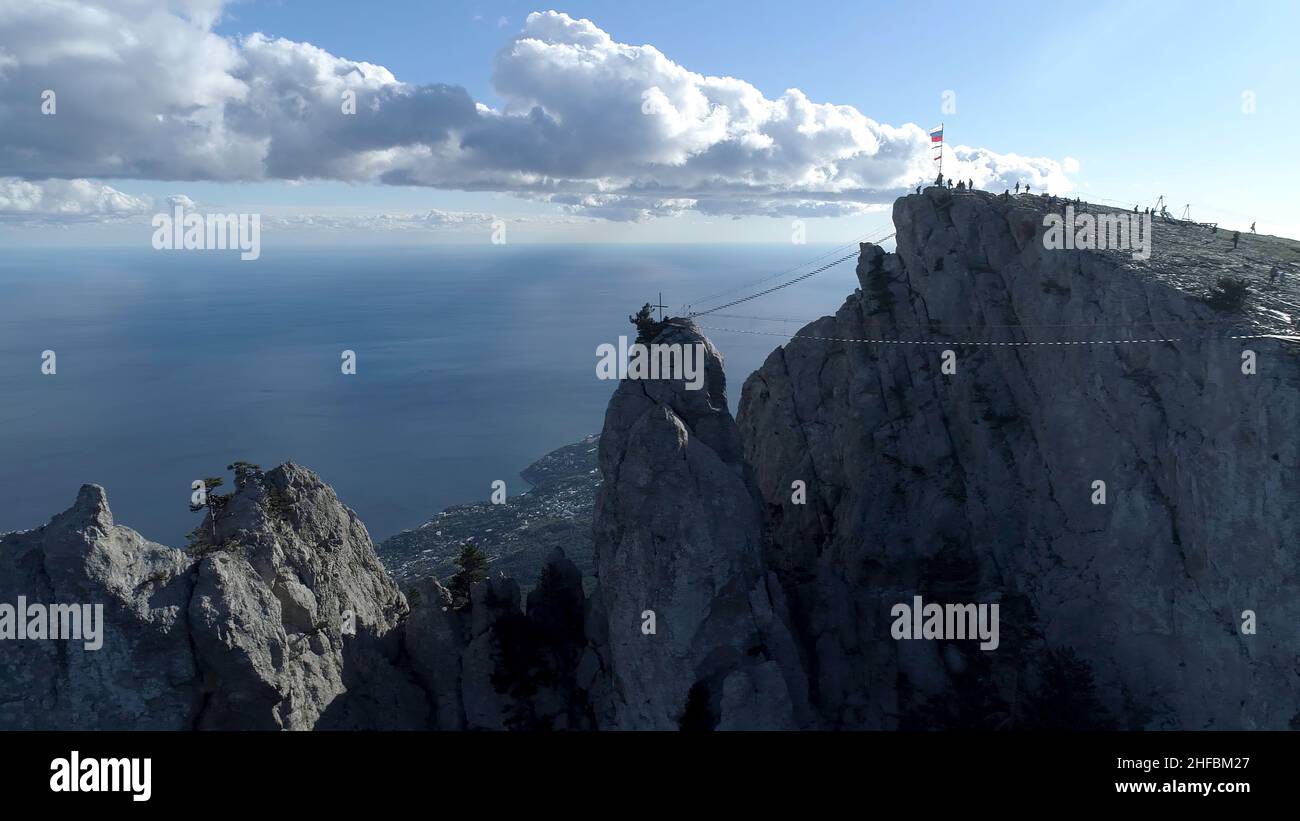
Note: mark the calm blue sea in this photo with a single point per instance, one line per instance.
(472, 362)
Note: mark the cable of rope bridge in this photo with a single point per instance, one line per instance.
(837, 249)
(776, 288)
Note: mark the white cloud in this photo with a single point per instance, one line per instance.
(149, 91)
(66, 200)
(992, 171)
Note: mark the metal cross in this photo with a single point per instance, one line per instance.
(660, 306)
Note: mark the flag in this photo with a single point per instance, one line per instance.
(936, 135)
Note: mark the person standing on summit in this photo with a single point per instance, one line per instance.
(1236, 235)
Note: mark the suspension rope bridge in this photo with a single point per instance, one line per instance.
(838, 249)
(825, 267)
(774, 289)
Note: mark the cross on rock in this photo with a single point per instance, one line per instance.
(660, 306)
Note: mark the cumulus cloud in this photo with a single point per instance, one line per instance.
(991, 170)
(67, 201)
(180, 200)
(147, 90)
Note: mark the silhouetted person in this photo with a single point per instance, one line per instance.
(1272, 275)
(1006, 193)
(1252, 228)
(918, 189)
(970, 185)
(1236, 235)
(949, 184)
(1026, 188)
(961, 186)
(1017, 188)
(939, 180)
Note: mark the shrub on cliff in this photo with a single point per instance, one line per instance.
(1228, 294)
(646, 327)
(473, 569)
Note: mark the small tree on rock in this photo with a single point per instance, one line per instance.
(1228, 294)
(646, 326)
(212, 502)
(473, 564)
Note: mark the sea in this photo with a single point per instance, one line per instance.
(471, 362)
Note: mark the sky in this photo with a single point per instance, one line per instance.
(620, 122)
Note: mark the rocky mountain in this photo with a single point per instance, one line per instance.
(1102, 446)
(279, 616)
(247, 631)
(1071, 368)
(679, 537)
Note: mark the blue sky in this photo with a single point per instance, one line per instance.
(1147, 98)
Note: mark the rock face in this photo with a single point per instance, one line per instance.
(491, 666)
(144, 676)
(978, 486)
(297, 627)
(678, 535)
(279, 617)
(252, 634)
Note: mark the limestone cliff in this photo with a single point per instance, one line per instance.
(279, 616)
(678, 535)
(285, 620)
(978, 485)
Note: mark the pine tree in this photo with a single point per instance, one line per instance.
(473, 565)
(212, 502)
(646, 327)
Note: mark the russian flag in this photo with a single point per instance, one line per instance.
(936, 135)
